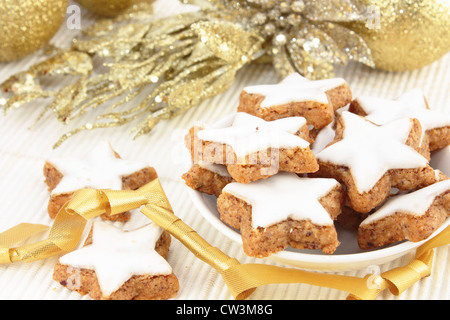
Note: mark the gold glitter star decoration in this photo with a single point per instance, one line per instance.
(157, 68)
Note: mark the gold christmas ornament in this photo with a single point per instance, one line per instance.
(106, 8)
(405, 34)
(28, 25)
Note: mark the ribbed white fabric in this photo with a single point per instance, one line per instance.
(23, 152)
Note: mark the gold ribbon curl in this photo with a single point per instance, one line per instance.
(241, 279)
(69, 224)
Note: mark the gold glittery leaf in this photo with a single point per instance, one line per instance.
(194, 91)
(228, 41)
(315, 69)
(199, 53)
(311, 66)
(281, 61)
(349, 42)
(19, 100)
(319, 44)
(63, 63)
(25, 86)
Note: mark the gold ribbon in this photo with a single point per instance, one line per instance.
(69, 224)
(241, 279)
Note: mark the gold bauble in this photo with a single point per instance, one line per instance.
(28, 25)
(410, 33)
(106, 8)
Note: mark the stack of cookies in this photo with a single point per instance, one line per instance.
(300, 156)
(113, 264)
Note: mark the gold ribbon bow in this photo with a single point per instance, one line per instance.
(241, 279)
(69, 224)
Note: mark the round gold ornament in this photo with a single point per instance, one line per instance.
(405, 34)
(28, 25)
(106, 8)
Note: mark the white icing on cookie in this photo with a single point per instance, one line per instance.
(294, 88)
(221, 170)
(327, 133)
(323, 138)
(412, 104)
(250, 134)
(117, 255)
(369, 150)
(100, 169)
(284, 196)
(414, 203)
(441, 160)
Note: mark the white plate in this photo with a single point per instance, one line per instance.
(348, 255)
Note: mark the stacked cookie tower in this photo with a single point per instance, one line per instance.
(300, 154)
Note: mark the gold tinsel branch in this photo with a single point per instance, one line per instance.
(158, 68)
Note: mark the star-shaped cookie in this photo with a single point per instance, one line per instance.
(253, 148)
(101, 168)
(208, 178)
(369, 159)
(250, 134)
(413, 216)
(296, 96)
(283, 210)
(116, 256)
(412, 104)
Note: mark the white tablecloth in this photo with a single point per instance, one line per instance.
(24, 196)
